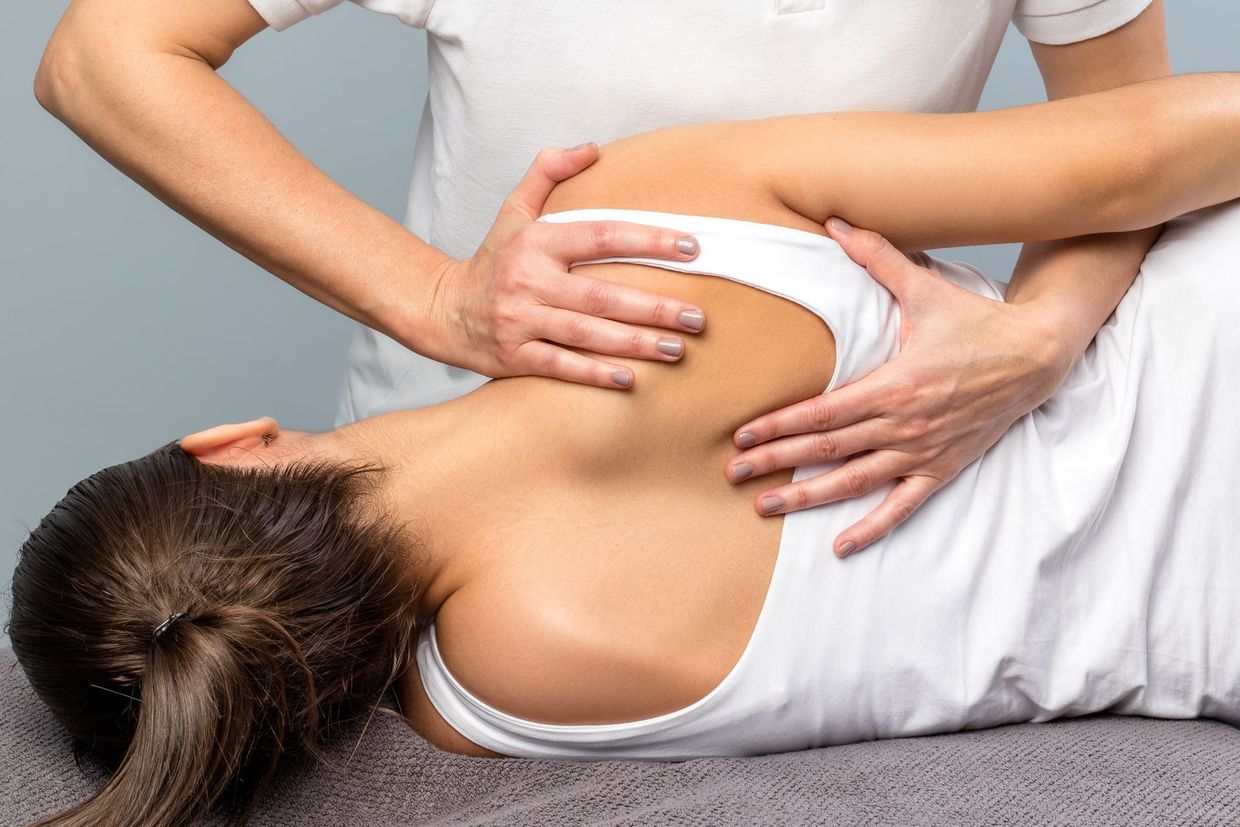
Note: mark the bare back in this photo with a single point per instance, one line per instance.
(633, 573)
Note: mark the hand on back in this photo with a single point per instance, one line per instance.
(514, 309)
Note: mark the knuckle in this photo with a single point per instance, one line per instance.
(823, 445)
(902, 393)
(597, 298)
(798, 498)
(870, 239)
(661, 309)
(637, 344)
(551, 360)
(527, 238)
(911, 430)
(902, 508)
(576, 329)
(602, 236)
(819, 417)
(504, 315)
(855, 482)
(506, 357)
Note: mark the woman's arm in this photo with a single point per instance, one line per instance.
(1113, 161)
(975, 371)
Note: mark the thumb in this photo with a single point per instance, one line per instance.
(887, 265)
(550, 166)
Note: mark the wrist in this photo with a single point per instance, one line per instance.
(1052, 338)
(410, 307)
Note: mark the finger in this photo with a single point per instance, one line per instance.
(852, 479)
(908, 495)
(843, 406)
(805, 449)
(573, 241)
(549, 167)
(887, 265)
(602, 335)
(545, 359)
(607, 299)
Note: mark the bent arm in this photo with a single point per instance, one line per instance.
(1113, 161)
(136, 80)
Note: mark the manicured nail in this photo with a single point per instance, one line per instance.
(741, 471)
(839, 225)
(621, 378)
(692, 319)
(747, 439)
(687, 245)
(671, 347)
(847, 548)
(580, 146)
(770, 504)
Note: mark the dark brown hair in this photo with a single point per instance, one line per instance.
(299, 611)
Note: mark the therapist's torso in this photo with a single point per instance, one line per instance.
(507, 79)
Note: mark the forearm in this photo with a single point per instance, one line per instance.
(1115, 161)
(1076, 283)
(168, 121)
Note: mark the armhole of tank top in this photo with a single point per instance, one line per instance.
(513, 723)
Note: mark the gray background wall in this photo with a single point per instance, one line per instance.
(123, 326)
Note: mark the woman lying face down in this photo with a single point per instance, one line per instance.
(195, 613)
(297, 605)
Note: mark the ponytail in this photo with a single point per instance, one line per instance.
(296, 611)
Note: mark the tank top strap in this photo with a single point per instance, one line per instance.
(809, 269)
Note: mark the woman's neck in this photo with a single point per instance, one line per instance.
(444, 465)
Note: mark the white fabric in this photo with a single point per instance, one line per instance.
(1089, 561)
(809, 269)
(507, 79)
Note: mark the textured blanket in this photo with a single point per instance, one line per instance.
(1100, 769)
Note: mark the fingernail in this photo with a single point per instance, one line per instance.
(579, 146)
(672, 347)
(747, 439)
(687, 245)
(770, 504)
(839, 225)
(741, 471)
(621, 378)
(847, 548)
(692, 319)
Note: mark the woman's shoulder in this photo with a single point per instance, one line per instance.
(529, 648)
(695, 169)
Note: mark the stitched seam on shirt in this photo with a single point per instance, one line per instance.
(422, 22)
(1077, 10)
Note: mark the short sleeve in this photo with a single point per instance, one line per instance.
(1056, 22)
(280, 14)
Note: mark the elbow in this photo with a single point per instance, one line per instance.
(46, 82)
(58, 77)
(1126, 194)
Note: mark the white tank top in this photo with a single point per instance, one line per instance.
(1089, 561)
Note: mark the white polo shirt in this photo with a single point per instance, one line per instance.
(509, 78)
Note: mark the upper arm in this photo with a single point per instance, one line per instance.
(1133, 52)
(704, 169)
(102, 30)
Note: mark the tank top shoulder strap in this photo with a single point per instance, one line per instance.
(809, 269)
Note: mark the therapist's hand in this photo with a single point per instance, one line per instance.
(968, 368)
(514, 309)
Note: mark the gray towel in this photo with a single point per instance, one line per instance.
(1101, 769)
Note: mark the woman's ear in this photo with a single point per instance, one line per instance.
(220, 444)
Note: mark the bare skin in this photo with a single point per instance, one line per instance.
(586, 561)
(136, 80)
